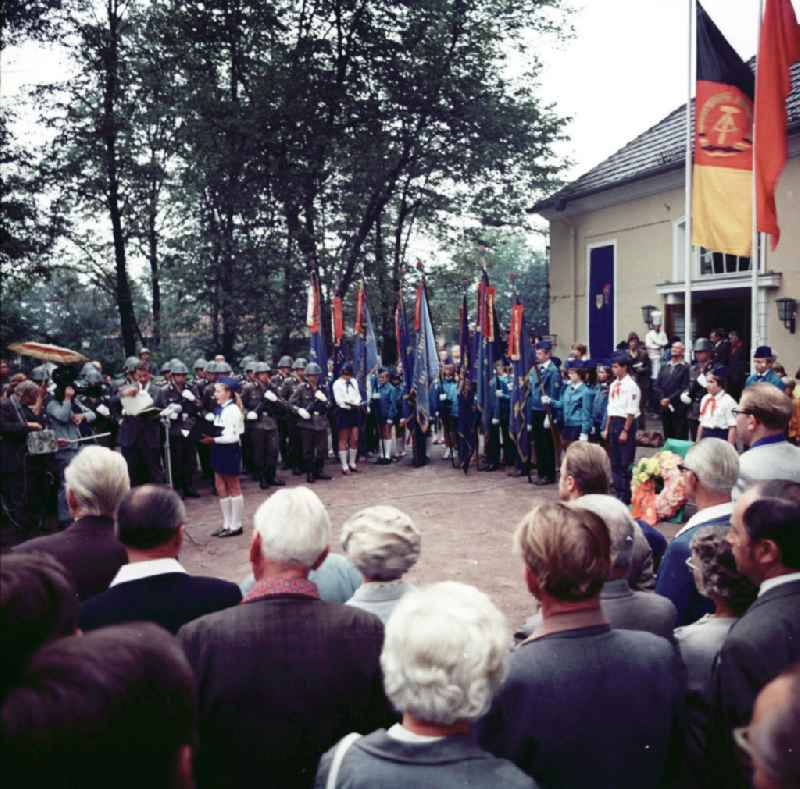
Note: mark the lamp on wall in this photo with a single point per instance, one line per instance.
(787, 309)
(647, 315)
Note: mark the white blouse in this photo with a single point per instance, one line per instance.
(344, 394)
(716, 411)
(231, 421)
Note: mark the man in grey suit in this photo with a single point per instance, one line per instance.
(283, 676)
(623, 607)
(765, 538)
(762, 420)
(583, 705)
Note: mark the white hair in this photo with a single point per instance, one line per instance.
(382, 542)
(294, 526)
(98, 479)
(619, 522)
(445, 653)
(715, 463)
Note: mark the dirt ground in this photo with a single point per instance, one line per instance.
(467, 523)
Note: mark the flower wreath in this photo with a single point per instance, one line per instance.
(659, 492)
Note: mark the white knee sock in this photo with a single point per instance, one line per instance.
(353, 457)
(392, 452)
(237, 509)
(225, 505)
(343, 459)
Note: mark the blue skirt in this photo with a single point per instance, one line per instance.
(347, 418)
(226, 459)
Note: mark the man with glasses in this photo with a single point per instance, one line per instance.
(765, 540)
(762, 419)
(709, 472)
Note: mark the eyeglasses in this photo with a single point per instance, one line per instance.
(737, 411)
(683, 469)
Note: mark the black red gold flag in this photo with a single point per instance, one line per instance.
(722, 183)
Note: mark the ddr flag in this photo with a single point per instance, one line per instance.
(317, 351)
(426, 361)
(778, 48)
(722, 191)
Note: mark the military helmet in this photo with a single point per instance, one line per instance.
(300, 363)
(213, 367)
(312, 368)
(224, 367)
(285, 361)
(40, 373)
(177, 367)
(200, 364)
(93, 376)
(249, 363)
(87, 367)
(132, 363)
(702, 344)
(262, 367)
(166, 368)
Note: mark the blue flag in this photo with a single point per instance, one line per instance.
(317, 351)
(405, 347)
(426, 363)
(373, 358)
(488, 350)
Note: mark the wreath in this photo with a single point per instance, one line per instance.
(659, 492)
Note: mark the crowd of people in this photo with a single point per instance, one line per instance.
(212, 424)
(642, 664)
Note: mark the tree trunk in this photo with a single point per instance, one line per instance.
(155, 284)
(128, 327)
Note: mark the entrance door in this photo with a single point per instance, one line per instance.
(601, 295)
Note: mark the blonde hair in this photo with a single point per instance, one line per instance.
(568, 549)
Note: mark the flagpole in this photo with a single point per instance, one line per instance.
(755, 252)
(687, 257)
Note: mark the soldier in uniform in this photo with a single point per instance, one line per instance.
(249, 380)
(538, 402)
(145, 358)
(295, 454)
(697, 383)
(199, 368)
(262, 408)
(278, 380)
(311, 404)
(204, 392)
(179, 402)
(95, 397)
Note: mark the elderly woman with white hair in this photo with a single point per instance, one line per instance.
(96, 481)
(384, 544)
(443, 658)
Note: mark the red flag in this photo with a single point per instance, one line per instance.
(338, 320)
(778, 48)
(359, 311)
(418, 310)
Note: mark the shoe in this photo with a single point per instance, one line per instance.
(322, 475)
(309, 477)
(448, 453)
(515, 472)
(263, 483)
(278, 483)
(345, 472)
(231, 532)
(542, 481)
(354, 469)
(219, 532)
(191, 493)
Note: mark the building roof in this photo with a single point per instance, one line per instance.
(659, 149)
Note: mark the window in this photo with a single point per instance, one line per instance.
(714, 263)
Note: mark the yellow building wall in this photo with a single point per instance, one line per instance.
(643, 230)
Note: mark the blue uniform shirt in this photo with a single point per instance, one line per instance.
(769, 377)
(551, 383)
(599, 408)
(575, 406)
(448, 387)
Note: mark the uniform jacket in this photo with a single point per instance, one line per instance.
(551, 383)
(500, 398)
(89, 549)
(449, 405)
(304, 397)
(265, 410)
(575, 407)
(144, 429)
(170, 395)
(280, 680)
(386, 404)
(769, 377)
(697, 390)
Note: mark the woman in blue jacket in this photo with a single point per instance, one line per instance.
(575, 405)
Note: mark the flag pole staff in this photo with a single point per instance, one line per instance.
(755, 252)
(687, 256)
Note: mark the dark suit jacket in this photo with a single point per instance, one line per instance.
(281, 679)
(170, 600)
(590, 707)
(88, 549)
(629, 610)
(759, 646)
(14, 435)
(672, 381)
